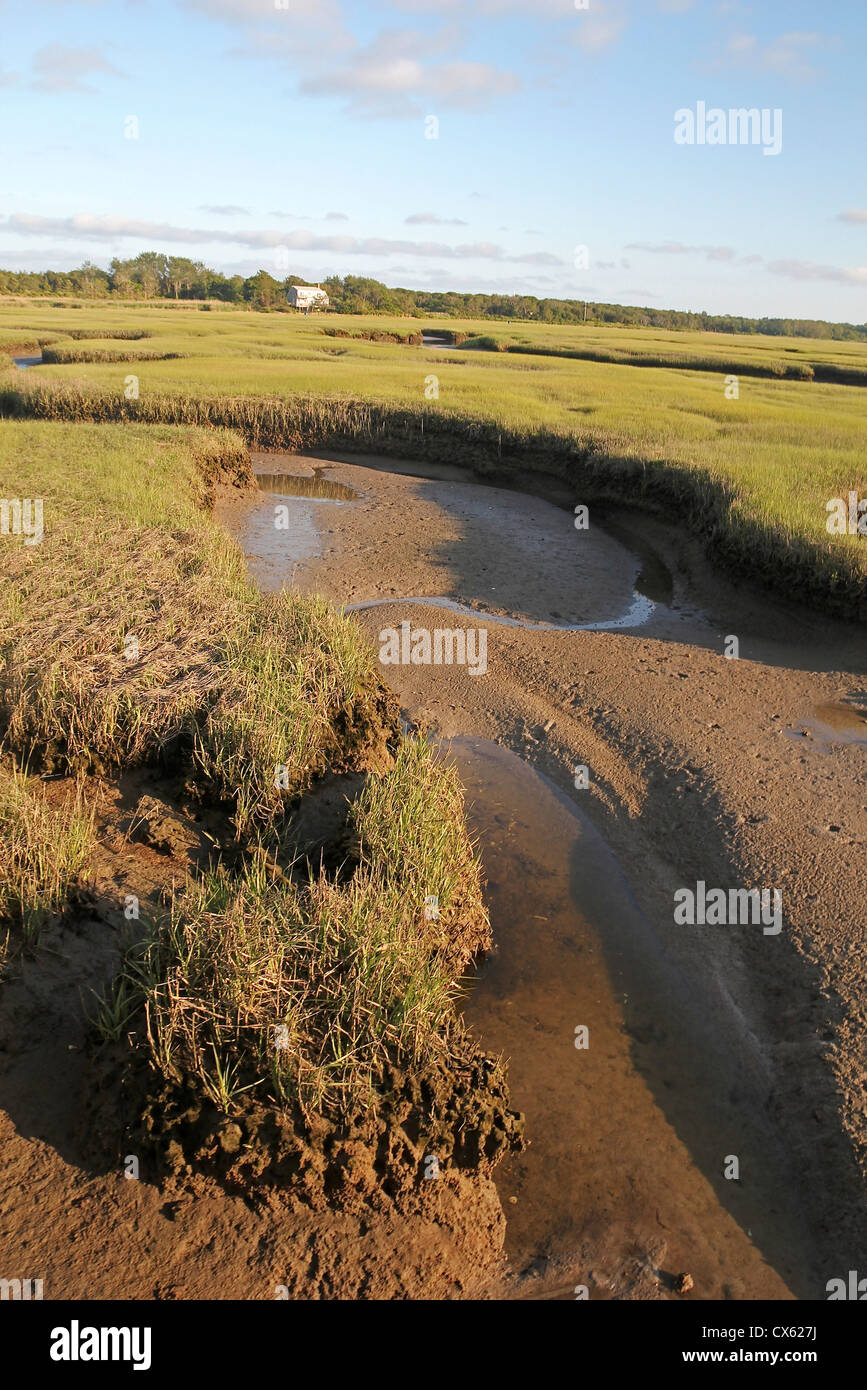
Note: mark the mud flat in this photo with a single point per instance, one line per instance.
(706, 1043)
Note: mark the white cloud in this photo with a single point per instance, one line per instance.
(389, 75)
(416, 219)
(400, 68)
(307, 31)
(102, 228)
(533, 9)
(788, 55)
(853, 215)
(262, 11)
(89, 228)
(677, 248)
(224, 210)
(58, 68)
(599, 26)
(809, 270)
(792, 269)
(470, 83)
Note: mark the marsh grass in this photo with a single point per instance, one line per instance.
(753, 477)
(297, 687)
(233, 680)
(226, 685)
(61, 354)
(410, 829)
(693, 362)
(45, 850)
(633, 415)
(347, 977)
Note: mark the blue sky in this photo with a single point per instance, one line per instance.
(301, 124)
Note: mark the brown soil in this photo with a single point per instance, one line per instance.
(180, 1203)
(700, 768)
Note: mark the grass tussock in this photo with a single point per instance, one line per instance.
(306, 993)
(46, 849)
(297, 696)
(133, 635)
(410, 829)
(234, 686)
(122, 334)
(376, 335)
(62, 354)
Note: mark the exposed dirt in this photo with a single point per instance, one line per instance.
(730, 771)
(700, 768)
(154, 1195)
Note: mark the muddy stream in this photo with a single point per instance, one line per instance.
(640, 1069)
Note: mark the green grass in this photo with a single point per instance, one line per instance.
(353, 975)
(62, 353)
(46, 850)
(227, 684)
(753, 474)
(240, 680)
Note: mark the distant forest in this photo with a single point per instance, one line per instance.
(153, 275)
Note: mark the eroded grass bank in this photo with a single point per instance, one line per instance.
(271, 999)
(778, 536)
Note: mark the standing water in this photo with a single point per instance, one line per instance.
(631, 1121)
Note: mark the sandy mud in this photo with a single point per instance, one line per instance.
(606, 651)
(693, 1096)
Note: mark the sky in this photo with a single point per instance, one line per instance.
(479, 145)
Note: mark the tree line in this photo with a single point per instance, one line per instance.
(154, 275)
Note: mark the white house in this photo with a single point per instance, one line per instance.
(307, 297)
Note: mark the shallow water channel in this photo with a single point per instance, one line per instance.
(629, 1134)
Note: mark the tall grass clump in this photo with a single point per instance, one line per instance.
(304, 993)
(45, 849)
(410, 829)
(231, 686)
(60, 355)
(133, 634)
(298, 696)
